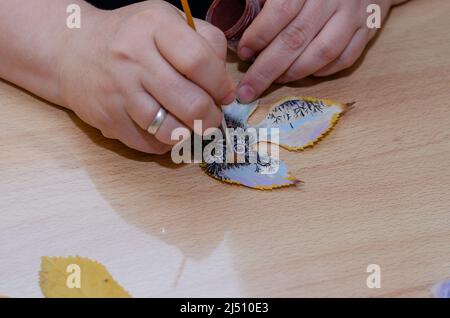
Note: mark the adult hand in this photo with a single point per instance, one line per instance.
(123, 65)
(292, 39)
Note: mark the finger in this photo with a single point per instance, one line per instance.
(179, 96)
(214, 36)
(274, 17)
(285, 49)
(136, 138)
(192, 56)
(168, 126)
(350, 55)
(129, 133)
(143, 108)
(325, 48)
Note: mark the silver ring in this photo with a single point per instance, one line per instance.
(157, 121)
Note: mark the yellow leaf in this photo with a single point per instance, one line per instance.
(77, 277)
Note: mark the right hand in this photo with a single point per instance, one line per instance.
(123, 65)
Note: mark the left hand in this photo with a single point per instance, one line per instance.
(296, 38)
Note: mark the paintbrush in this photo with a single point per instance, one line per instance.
(228, 144)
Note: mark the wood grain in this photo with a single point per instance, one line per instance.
(377, 190)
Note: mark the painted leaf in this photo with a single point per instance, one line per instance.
(237, 114)
(56, 279)
(293, 123)
(302, 121)
(256, 169)
(265, 174)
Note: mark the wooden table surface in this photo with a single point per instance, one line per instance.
(377, 190)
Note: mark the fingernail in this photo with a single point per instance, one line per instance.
(229, 99)
(246, 94)
(245, 53)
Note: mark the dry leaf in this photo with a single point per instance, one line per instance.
(77, 277)
(302, 121)
(298, 122)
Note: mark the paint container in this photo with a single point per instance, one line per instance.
(233, 17)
